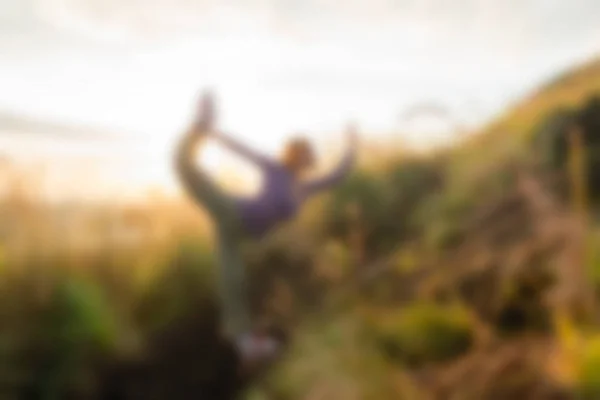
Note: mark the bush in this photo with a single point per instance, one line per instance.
(387, 203)
(283, 265)
(362, 192)
(77, 330)
(588, 371)
(424, 333)
(549, 140)
(412, 184)
(83, 315)
(552, 147)
(187, 280)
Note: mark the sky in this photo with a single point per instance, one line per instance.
(132, 69)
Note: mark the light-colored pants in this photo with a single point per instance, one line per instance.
(230, 272)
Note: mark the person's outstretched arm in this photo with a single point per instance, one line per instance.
(260, 160)
(339, 173)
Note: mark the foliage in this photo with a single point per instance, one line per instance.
(588, 371)
(425, 332)
(382, 205)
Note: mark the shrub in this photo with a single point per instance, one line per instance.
(387, 203)
(550, 139)
(78, 330)
(588, 371)
(425, 332)
(187, 280)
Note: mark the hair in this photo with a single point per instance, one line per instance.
(295, 149)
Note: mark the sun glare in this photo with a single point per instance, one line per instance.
(212, 157)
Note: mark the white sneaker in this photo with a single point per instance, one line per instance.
(257, 348)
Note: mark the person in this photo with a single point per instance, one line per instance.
(237, 218)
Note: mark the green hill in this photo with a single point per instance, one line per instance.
(570, 88)
(507, 137)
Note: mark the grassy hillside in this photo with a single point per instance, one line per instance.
(569, 89)
(476, 240)
(505, 138)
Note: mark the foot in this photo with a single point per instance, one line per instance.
(259, 349)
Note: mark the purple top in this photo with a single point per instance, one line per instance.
(280, 196)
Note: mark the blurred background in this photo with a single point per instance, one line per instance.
(459, 261)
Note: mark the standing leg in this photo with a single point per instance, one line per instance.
(230, 271)
(232, 283)
(231, 274)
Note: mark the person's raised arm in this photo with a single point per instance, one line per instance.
(342, 170)
(241, 149)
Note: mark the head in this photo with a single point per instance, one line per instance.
(298, 155)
